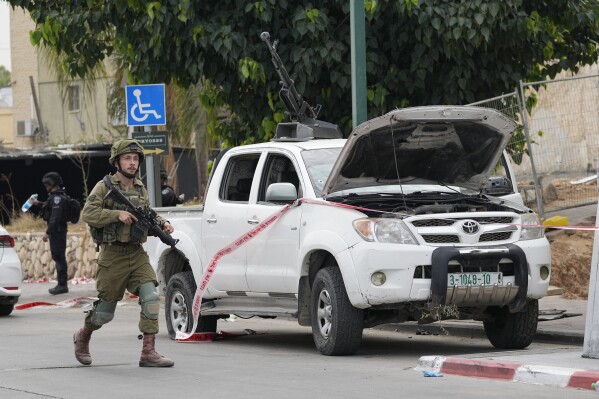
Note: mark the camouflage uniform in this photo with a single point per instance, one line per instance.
(121, 264)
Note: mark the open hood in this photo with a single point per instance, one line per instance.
(454, 145)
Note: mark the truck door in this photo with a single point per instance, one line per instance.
(225, 219)
(272, 255)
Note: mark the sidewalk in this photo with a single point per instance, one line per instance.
(559, 368)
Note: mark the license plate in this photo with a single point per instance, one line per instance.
(474, 279)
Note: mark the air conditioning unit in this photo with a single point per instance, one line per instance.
(27, 127)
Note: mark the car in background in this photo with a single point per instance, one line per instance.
(10, 273)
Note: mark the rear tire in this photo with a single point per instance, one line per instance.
(178, 306)
(336, 324)
(513, 330)
(6, 309)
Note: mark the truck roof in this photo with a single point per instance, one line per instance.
(298, 145)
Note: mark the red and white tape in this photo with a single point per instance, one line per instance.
(69, 303)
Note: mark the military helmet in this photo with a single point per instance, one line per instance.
(125, 146)
(52, 179)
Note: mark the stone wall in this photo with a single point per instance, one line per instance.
(36, 260)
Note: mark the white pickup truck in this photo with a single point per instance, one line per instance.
(406, 220)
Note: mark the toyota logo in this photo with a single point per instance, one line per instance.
(470, 227)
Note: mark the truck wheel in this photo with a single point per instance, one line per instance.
(513, 330)
(6, 309)
(336, 325)
(178, 306)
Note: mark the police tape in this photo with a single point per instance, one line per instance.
(209, 272)
(69, 303)
(359, 208)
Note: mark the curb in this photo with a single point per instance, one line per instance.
(531, 374)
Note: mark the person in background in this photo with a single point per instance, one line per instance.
(123, 264)
(54, 211)
(169, 198)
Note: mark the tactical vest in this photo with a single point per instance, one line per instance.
(119, 231)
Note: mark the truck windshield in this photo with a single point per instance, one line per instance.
(319, 164)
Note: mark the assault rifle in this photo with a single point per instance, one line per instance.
(304, 124)
(146, 219)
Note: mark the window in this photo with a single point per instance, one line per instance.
(73, 99)
(238, 178)
(319, 164)
(278, 169)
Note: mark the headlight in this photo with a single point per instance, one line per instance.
(531, 228)
(391, 231)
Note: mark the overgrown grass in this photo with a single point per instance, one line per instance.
(25, 223)
(29, 223)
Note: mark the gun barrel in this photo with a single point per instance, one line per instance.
(296, 106)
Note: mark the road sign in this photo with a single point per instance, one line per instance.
(153, 142)
(145, 105)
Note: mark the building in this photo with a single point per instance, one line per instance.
(70, 112)
(7, 136)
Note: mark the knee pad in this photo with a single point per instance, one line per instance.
(149, 300)
(102, 312)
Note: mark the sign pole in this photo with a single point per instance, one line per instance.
(153, 173)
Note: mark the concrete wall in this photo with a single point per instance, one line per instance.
(7, 127)
(90, 123)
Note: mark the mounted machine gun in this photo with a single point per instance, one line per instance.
(303, 125)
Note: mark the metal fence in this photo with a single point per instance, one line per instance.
(517, 148)
(556, 147)
(564, 133)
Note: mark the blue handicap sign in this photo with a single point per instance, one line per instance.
(145, 105)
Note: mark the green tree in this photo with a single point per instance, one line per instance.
(4, 77)
(418, 51)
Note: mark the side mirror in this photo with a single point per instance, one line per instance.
(281, 192)
(498, 185)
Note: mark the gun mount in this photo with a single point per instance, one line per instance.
(303, 125)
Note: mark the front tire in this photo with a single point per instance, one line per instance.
(6, 309)
(178, 306)
(513, 330)
(336, 324)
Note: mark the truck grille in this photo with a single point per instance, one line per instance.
(440, 238)
(504, 235)
(463, 229)
(449, 222)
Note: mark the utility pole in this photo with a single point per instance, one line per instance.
(358, 61)
(590, 348)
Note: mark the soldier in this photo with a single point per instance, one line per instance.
(54, 211)
(122, 262)
(169, 198)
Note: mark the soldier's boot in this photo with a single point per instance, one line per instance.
(81, 340)
(59, 289)
(149, 356)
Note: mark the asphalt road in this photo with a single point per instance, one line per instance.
(278, 362)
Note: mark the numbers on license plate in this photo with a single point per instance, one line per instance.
(474, 279)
